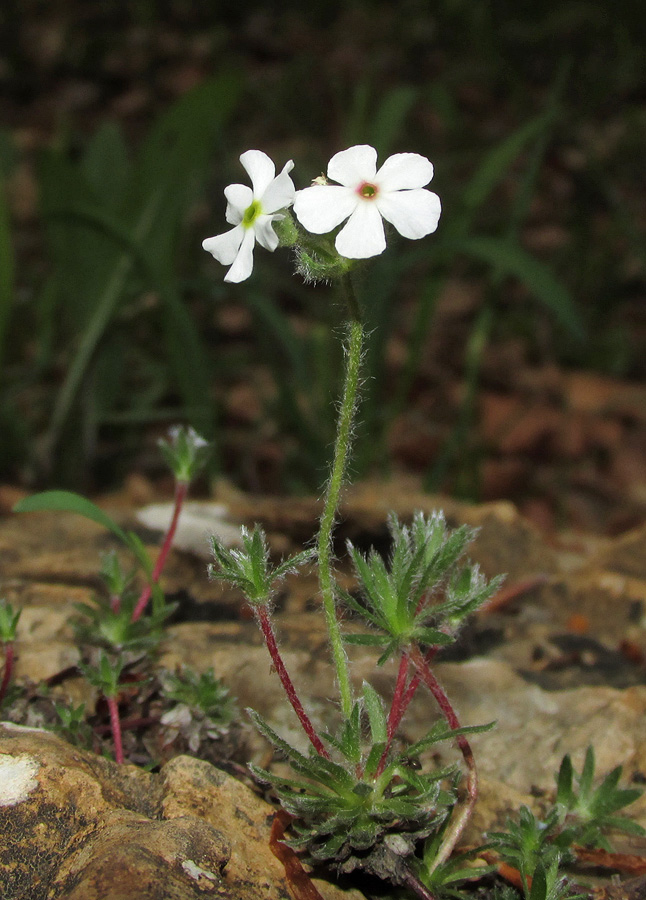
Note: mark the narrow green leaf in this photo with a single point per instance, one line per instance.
(587, 773)
(511, 259)
(290, 783)
(376, 715)
(440, 732)
(6, 268)
(496, 165)
(366, 640)
(374, 757)
(433, 637)
(106, 164)
(67, 501)
(138, 549)
(387, 120)
(538, 890)
(102, 314)
(564, 795)
(623, 823)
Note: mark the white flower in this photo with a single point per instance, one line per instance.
(365, 196)
(252, 213)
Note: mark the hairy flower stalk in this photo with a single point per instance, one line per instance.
(181, 489)
(262, 614)
(339, 465)
(461, 814)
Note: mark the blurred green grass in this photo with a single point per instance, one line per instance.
(534, 118)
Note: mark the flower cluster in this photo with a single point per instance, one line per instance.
(363, 195)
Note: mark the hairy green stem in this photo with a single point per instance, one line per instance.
(339, 463)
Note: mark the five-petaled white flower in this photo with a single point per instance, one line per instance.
(252, 213)
(365, 196)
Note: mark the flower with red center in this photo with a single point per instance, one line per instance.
(366, 196)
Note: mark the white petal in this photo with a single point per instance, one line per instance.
(239, 197)
(404, 171)
(243, 264)
(265, 234)
(224, 247)
(413, 213)
(363, 236)
(353, 166)
(281, 191)
(322, 207)
(260, 169)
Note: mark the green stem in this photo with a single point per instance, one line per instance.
(339, 464)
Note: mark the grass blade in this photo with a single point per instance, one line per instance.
(102, 314)
(6, 268)
(511, 259)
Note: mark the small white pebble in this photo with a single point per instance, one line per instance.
(196, 872)
(17, 778)
(197, 523)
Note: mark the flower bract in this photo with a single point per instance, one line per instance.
(251, 210)
(365, 196)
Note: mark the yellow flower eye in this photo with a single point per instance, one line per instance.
(251, 213)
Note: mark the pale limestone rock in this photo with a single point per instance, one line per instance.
(17, 778)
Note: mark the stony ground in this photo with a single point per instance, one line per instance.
(559, 663)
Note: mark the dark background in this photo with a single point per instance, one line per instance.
(451, 80)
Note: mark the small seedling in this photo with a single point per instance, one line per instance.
(73, 725)
(105, 677)
(589, 811)
(204, 708)
(8, 625)
(539, 848)
(126, 623)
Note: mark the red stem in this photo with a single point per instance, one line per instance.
(394, 716)
(115, 724)
(8, 668)
(395, 713)
(462, 816)
(413, 883)
(262, 615)
(400, 703)
(181, 489)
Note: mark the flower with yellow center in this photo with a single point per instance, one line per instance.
(251, 211)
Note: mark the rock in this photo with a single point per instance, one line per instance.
(194, 787)
(197, 523)
(535, 728)
(131, 855)
(75, 826)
